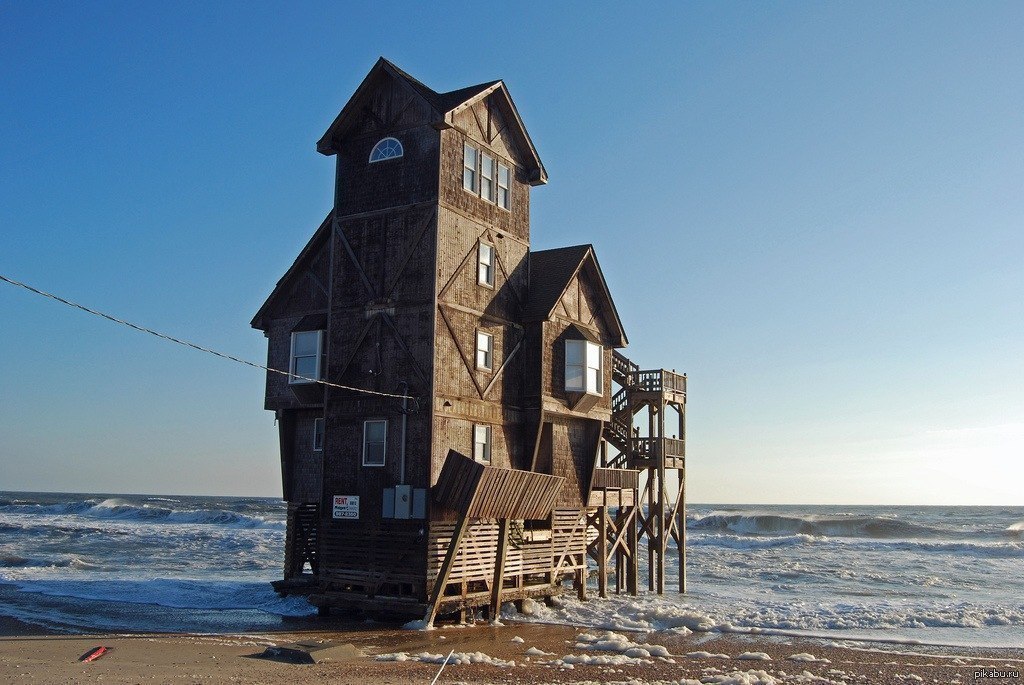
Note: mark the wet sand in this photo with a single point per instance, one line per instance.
(29, 655)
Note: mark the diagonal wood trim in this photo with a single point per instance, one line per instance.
(405, 348)
(458, 270)
(356, 347)
(479, 125)
(409, 253)
(471, 368)
(317, 282)
(368, 111)
(508, 282)
(501, 369)
(394, 117)
(497, 132)
(355, 262)
(580, 520)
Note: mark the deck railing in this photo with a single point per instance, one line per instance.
(649, 448)
(615, 479)
(656, 380)
(622, 366)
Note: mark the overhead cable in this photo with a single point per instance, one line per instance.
(194, 346)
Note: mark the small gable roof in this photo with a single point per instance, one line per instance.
(551, 271)
(444, 106)
(314, 244)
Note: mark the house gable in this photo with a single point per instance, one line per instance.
(385, 101)
(304, 287)
(568, 282)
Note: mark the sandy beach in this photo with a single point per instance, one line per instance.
(29, 654)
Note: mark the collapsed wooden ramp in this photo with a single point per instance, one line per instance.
(477, 491)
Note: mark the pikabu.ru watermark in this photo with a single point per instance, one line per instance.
(995, 673)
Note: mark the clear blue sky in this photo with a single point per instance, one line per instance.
(814, 209)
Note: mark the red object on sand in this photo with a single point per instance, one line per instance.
(93, 654)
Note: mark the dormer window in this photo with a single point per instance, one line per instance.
(387, 148)
(307, 350)
(485, 176)
(583, 372)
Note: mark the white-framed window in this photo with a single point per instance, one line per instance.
(487, 177)
(307, 351)
(386, 148)
(484, 175)
(375, 438)
(503, 186)
(583, 367)
(318, 435)
(484, 350)
(482, 443)
(485, 265)
(470, 155)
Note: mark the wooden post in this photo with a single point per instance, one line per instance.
(651, 474)
(634, 547)
(662, 527)
(602, 548)
(499, 568)
(682, 530)
(446, 569)
(681, 508)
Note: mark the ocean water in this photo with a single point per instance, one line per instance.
(934, 575)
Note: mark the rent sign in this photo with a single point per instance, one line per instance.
(346, 506)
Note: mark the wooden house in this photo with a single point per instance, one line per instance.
(447, 407)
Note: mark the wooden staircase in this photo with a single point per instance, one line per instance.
(660, 516)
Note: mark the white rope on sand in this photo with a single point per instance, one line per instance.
(443, 663)
(194, 346)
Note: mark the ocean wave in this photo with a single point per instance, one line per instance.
(819, 526)
(175, 593)
(69, 561)
(122, 510)
(1016, 530)
(995, 549)
(751, 543)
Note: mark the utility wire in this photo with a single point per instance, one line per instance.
(186, 343)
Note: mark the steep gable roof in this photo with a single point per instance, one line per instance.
(444, 106)
(314, 243)
(551, 272)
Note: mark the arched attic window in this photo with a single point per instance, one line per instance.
(386, 148)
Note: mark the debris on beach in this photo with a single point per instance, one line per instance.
(93, 654)
(312, 652)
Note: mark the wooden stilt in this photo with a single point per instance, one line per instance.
(499, 568)
(446, 569)
(634, 546)
(602, 551)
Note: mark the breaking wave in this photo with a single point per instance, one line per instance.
(818, 526)
(121, 510)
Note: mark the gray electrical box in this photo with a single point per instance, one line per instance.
(419, 503)
(403, 501)
(388, 508)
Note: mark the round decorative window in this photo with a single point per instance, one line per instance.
(387, 148)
